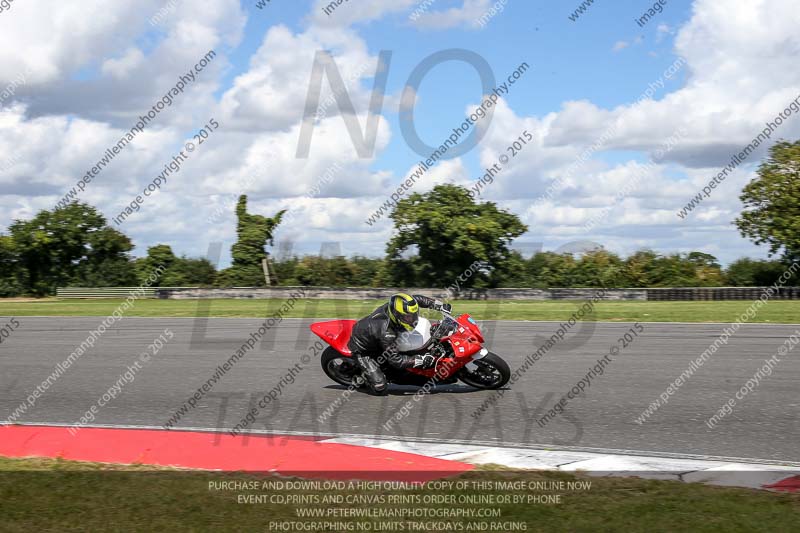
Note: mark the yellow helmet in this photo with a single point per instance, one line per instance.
(404, 311)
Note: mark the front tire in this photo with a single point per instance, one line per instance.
(492, 373)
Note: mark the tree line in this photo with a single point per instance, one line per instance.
(596, 268)
(437, 237)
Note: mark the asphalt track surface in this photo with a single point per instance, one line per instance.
(764, 425)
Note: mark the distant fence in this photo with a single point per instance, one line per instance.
(348, 293)
(108, 292)
(354, 293)
(720, 293)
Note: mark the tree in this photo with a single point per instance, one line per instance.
(772, 202)
(10, 284)
(549, 269)
(754, 273)
(177, 271)
(160, 255)
(191, 272)
(339, 271)
(286, 269)
(646, 268)
(446, 231)
(366, 271)
(254, 233)
(707, 270)
(640, 268)
(315, 270)
(512, 272)
(70, 245)
(600, 268)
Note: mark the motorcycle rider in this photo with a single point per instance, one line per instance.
(375, 336)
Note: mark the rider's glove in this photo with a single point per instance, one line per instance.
(424, 362)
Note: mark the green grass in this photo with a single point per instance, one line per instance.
(729, 311)
(56, 495)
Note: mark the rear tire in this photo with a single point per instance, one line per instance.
(339, 368)
(492, 373)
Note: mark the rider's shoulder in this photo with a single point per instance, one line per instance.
(380, 313)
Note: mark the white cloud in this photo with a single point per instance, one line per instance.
(61, 37)
(620, 45)
(422, 14)
(662, 31)
(112, 66)
(349, 13)
(121, 68)
(272, 93)
(470, 15)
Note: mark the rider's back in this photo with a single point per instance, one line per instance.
(373, 333)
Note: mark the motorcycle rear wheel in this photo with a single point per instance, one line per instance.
(492, 373)
(339, 368)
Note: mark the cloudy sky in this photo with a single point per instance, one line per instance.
(701, 78)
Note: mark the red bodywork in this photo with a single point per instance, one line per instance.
(466, 341)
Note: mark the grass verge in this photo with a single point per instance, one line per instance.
(57, 495)
(728, 311)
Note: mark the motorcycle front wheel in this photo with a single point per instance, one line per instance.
(489, 373)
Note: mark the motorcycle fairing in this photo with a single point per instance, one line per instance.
(416, 339)
(336, 333)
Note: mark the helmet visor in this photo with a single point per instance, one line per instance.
(408, 320)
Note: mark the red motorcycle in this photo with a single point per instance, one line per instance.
(455, 343)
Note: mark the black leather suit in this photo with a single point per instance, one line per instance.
(374, 337)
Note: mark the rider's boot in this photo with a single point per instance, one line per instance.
(373, 376)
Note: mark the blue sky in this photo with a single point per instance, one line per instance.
(87, 85)
(571, 60)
